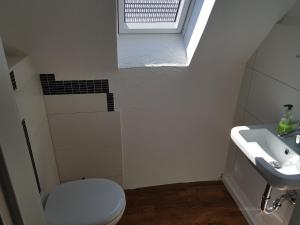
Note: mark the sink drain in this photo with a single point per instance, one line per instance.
(275, 164)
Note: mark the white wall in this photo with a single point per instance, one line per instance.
(31, 107)
(271, 80)
(175, 121)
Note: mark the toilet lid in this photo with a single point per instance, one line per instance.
(85, 202)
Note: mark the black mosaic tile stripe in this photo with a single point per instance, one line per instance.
(51, 86)
(13, 80)
(110, 102)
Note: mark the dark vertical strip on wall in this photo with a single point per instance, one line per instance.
(9, 193)
(1, 221)
(105, 86)
(31, 155)
(13, 80)
(110, 102)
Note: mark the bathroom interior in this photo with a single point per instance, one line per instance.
(149, 112)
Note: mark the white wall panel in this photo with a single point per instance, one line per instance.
(76, 103)
(31, 103)
(245, 87)
(31, 107)
(23, 71)
(87, 144)
(276, 57)
(15, 154)
(267, 97)
(89, 162)
(81, 130)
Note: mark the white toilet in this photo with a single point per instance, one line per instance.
(85, 202)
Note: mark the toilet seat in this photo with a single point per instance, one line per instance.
(85, 202)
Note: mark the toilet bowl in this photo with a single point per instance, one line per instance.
(85, 202)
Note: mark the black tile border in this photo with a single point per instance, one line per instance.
(13, 80)
(51, 86)
(110, 102)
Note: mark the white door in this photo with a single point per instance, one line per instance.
(27, 208)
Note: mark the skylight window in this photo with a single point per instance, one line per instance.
(156, 33)
(144, 11)
(152, 16)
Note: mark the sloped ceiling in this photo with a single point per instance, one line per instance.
(81, 35)
(293, 16)
(74, 34)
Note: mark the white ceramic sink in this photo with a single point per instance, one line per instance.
(278, 163)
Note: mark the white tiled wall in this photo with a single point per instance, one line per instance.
(267, 97)
(245, 87)
(31, 107)
(86, 138)
(271, 79)
(277, 56)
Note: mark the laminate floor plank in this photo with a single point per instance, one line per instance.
(198, 203)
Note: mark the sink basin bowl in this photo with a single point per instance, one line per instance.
(278, 163)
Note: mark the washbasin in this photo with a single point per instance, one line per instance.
(274, 159)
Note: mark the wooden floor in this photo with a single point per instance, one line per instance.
(201, 203)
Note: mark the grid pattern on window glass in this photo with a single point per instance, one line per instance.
(151, 11)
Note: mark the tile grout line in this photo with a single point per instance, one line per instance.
(275, 79)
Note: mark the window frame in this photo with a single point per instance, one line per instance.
(161, 27)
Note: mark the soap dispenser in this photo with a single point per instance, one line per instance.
(287, 123)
